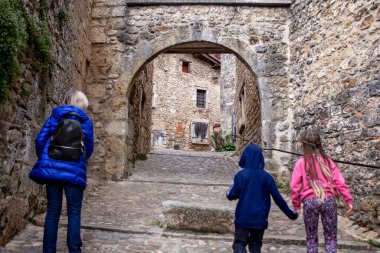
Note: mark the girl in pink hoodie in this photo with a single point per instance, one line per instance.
(316, 182)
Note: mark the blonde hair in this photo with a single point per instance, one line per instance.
(314, 153)
(77, 98)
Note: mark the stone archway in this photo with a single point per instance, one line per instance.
(261, 44)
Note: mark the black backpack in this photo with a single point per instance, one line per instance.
(66, 142)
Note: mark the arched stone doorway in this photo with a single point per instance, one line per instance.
(236, 89)
(262, 46)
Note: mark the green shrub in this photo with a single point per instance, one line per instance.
(229, 147)
(39, 38)
(158, 223)
(26, 90)
(229, 138)
(226, 147)
(12, 43)
(63, 16)
(17, 30)
(43, 10)
(374, 243)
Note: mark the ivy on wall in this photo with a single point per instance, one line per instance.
(22, 34)
(13, 39)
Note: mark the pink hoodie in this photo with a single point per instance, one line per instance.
(300, 190)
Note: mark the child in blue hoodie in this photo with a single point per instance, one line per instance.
(253, 187)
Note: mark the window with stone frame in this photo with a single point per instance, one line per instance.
(199, 132)
(201, 98)
(185, 67)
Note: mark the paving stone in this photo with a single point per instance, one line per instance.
(127, 216)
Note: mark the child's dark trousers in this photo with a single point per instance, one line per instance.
(251, 237)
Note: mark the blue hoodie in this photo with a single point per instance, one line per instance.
(49, 169)
(253, 187)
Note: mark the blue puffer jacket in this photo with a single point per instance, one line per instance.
(49, 169)
(253, 187)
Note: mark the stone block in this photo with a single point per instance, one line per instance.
(101, 12)
(198, 217)
(374, 88)
(96, 90)
(120, 11)
(116, 127)
(98, 35)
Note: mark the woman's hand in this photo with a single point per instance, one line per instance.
(350, 210)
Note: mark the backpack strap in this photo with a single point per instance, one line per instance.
(74, 114)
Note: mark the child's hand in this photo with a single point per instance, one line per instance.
(295, 215)
(350, 210)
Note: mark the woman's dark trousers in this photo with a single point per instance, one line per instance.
(74, 197)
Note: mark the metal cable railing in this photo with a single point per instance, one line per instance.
(335, 160)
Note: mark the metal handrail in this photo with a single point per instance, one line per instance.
(335, 160)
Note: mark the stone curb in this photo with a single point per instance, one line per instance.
(184, 154)
(284, 240)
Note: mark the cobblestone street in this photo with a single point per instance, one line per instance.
(127, 216)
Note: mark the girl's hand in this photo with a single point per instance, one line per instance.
(350, 210)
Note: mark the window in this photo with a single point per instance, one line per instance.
(199, 132)
(201, 98)
(185, 67)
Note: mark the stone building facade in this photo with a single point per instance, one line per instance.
(335, 86)
(186, 101)
(227, 82)
(30, 101)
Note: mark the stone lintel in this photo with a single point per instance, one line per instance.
(209, 2)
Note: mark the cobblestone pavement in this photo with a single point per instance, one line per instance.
(127, 216)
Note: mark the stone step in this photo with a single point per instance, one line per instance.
(281, 240)
(268, 239)
(198, 217)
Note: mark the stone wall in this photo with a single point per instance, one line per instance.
(247, 101)
(139, 116)
(126, 38)
(335, 86)
(227, 82)
(104, 92)
(175, 95)
(29, 102)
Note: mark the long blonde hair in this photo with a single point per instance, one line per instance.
(314, 153)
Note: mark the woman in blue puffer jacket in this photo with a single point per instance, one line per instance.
(59, 175)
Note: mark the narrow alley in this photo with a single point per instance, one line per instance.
(127, 216)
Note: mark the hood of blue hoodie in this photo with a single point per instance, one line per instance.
(252, 158)
(62, 111)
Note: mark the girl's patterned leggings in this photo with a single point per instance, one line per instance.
(311, 209)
